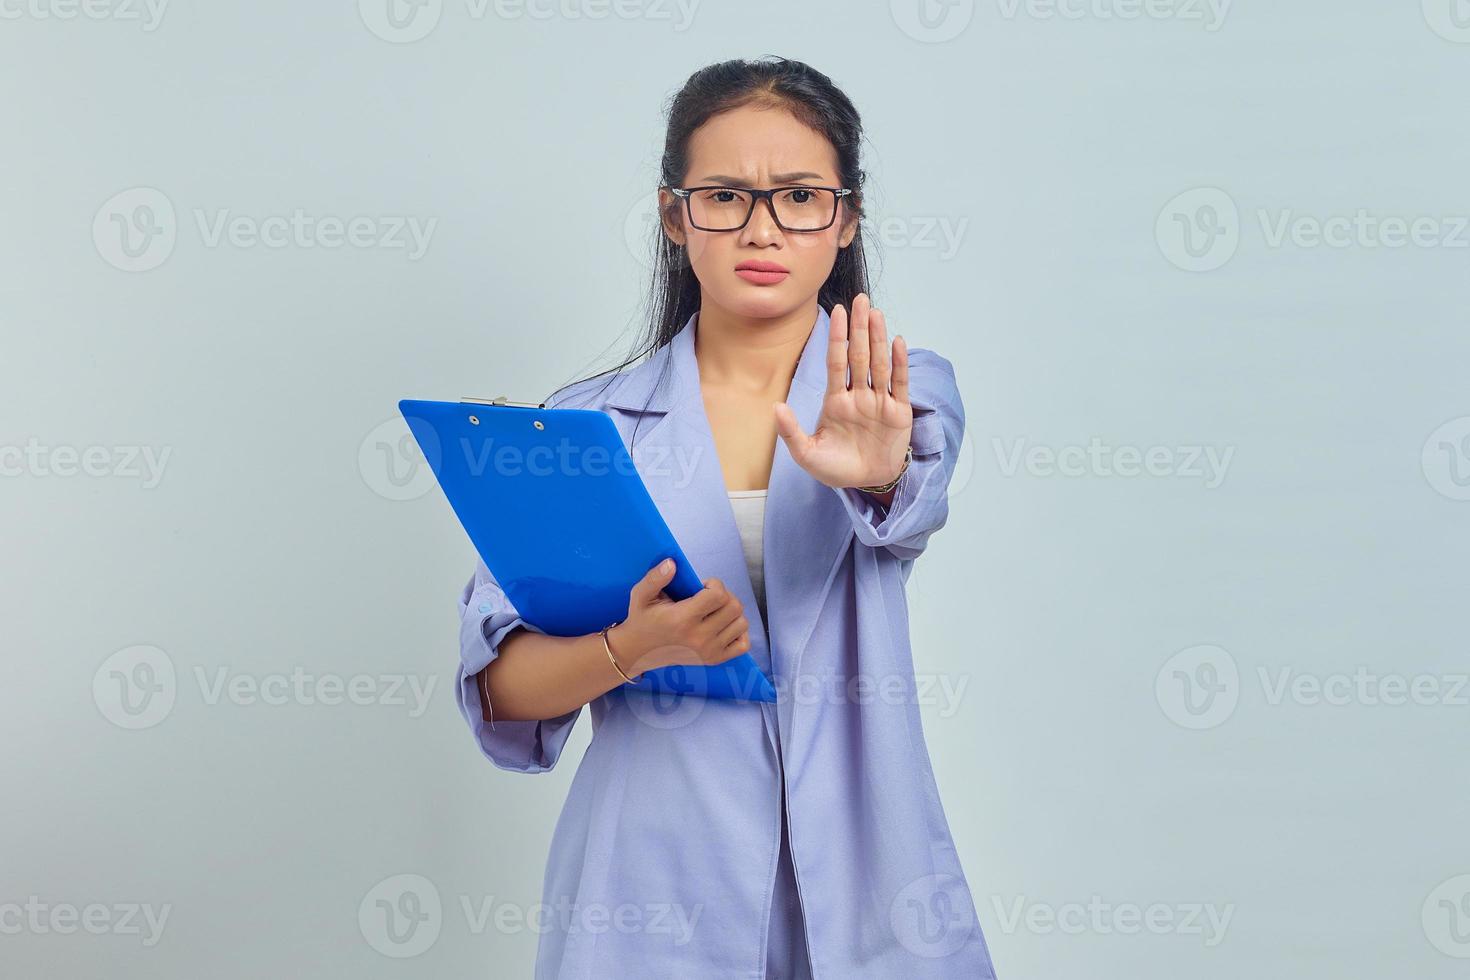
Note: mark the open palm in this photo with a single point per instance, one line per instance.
(863, 430)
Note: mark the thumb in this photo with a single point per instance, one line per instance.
(652, 583)
(789, 429)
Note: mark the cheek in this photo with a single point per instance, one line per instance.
(707, 249)
(812, 256)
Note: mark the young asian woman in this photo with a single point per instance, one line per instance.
(706, 837)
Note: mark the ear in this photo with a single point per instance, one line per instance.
(849, 228)
(670, 215)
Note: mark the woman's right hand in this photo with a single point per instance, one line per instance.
(707, 628)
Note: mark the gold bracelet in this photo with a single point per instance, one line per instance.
(608, 647)
(908, 455)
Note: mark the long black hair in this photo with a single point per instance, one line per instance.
(769, 82)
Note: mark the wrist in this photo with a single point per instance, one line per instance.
(883, 488)
(624, 656)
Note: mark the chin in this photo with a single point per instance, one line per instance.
(759, 301)
(760, 308)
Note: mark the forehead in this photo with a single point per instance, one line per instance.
(752, 143)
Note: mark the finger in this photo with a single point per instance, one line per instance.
(857, 341)
(837, 350)
(652, 583)
(705, 601)
(878, 335)
(715, 633)
(900, 370)
(790, 431)
(722, 619)
(732, 636)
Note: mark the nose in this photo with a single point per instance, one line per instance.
(761, 229)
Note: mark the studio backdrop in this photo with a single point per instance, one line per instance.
(1190, 649)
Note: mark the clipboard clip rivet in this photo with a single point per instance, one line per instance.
(474, 420)
(538, 424)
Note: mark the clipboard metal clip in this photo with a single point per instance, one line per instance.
(498, 400)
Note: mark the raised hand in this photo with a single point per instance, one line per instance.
(863, 431)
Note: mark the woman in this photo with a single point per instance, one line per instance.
(716, 838)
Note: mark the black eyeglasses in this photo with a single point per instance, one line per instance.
(795, 208)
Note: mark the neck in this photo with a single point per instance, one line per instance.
(751, 353)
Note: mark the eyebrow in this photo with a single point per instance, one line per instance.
(729, 181)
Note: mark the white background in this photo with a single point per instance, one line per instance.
(1078, 767)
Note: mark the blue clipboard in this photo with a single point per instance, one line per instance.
(553, 504)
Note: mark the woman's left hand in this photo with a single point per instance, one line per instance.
(863, 432)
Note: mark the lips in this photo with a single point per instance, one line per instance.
(762, 273)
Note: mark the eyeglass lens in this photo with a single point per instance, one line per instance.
(797, 208)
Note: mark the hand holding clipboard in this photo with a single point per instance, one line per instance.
(555, 507)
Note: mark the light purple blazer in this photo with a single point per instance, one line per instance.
(663, 861)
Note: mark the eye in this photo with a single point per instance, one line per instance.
(799, 195)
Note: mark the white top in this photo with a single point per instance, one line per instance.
(786, 956)
(749, 507)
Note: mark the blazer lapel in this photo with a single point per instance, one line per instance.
(674, 452)
(806, 527)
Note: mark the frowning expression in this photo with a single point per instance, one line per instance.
(760, 270)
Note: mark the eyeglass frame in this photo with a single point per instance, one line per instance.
(756, 195)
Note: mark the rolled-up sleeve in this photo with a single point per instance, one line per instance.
(486, 619)
(920, 503)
